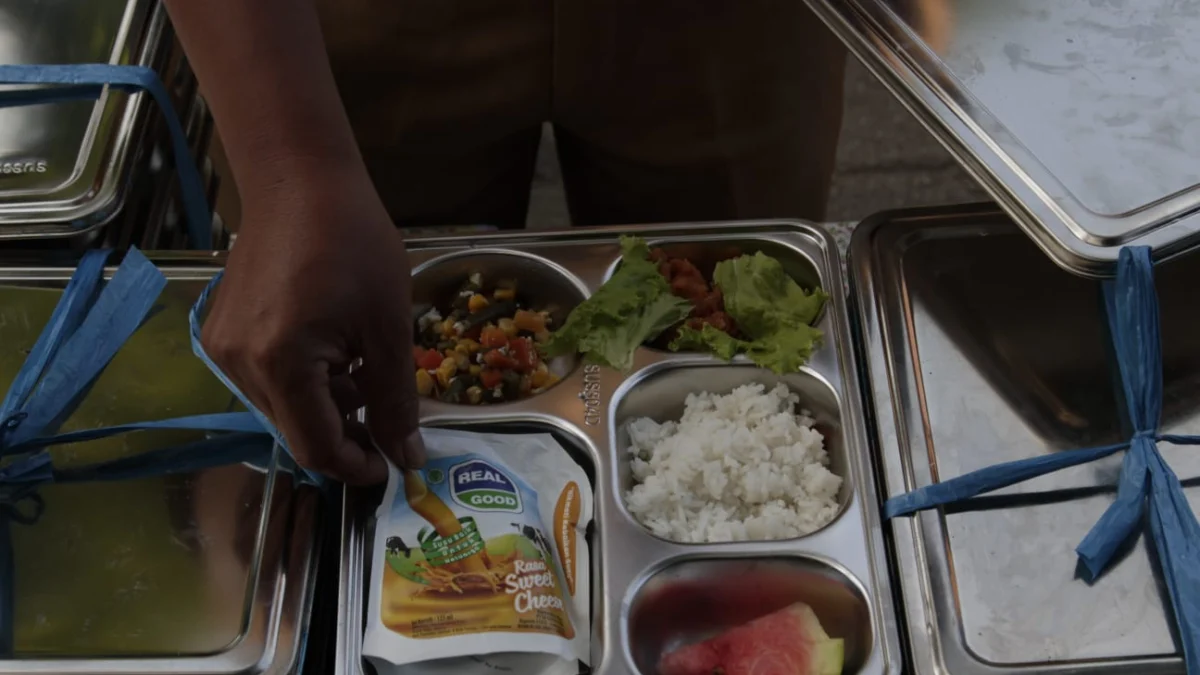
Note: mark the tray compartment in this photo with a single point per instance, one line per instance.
(705, 253)
(660, 393)
(540, 285)
(693, 599)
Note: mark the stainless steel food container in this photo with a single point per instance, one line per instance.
(978, 350)
(82, 173)
(207, 572)
(1078, 117)
(650, 595)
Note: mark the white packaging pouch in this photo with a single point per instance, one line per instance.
(480, 564)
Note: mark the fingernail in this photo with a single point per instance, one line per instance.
(414, 451)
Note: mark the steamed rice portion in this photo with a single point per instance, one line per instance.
(737, 467)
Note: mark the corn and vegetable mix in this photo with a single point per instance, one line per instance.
(484, 349)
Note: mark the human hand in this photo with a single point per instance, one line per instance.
(319, 279)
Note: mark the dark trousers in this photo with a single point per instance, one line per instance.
(664, 110)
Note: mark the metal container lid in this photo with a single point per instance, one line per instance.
(1080, 118)
(62, 165)
(969, 365)
(209, 571)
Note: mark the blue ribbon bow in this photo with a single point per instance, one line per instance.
(1148, 491)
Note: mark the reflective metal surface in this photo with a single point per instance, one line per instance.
(979, 350)
(208, 572)
(1081, 118)
(841, 569)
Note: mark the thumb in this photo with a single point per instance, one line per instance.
(389, 387)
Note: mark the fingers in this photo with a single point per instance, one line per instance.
(291, 385)
(390, 391)
(320, 436)
(323, 440)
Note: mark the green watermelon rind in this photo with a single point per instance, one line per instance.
(828, 654)
(829, 657)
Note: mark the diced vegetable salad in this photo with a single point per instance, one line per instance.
(482, 348)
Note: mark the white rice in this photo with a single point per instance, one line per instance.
(737, 467)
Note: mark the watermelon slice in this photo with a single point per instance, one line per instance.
(788, 642)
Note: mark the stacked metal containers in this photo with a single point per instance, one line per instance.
(89, 173)
(206, 572)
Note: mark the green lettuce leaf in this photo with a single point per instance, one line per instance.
(783, 352)
(633, 306)
(762, 298)
(708, 340)
(772, 311)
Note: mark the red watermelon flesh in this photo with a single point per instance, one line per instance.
(788, 642)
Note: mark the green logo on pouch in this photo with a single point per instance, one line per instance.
(480, 486)
(440, 552)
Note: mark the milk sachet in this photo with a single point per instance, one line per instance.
(480, 563)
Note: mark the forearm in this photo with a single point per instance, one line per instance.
(264, 71)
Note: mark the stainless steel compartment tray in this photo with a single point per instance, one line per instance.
(840, 570)
(978, 351)
(209, 572)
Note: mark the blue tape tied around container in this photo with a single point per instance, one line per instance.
(75, 82)
(88, 326)
(1148, 491)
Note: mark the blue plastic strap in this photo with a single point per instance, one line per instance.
(74, 304)
(225, 422)
(255, 448)
(991, 478)
(119, 310)
(1148, 491)
(87, 81)
(34, 469)
(1134, 323)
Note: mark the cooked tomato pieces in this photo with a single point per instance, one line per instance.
(427, 359)
(689, 283)
(490, 379)
(523, 354)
